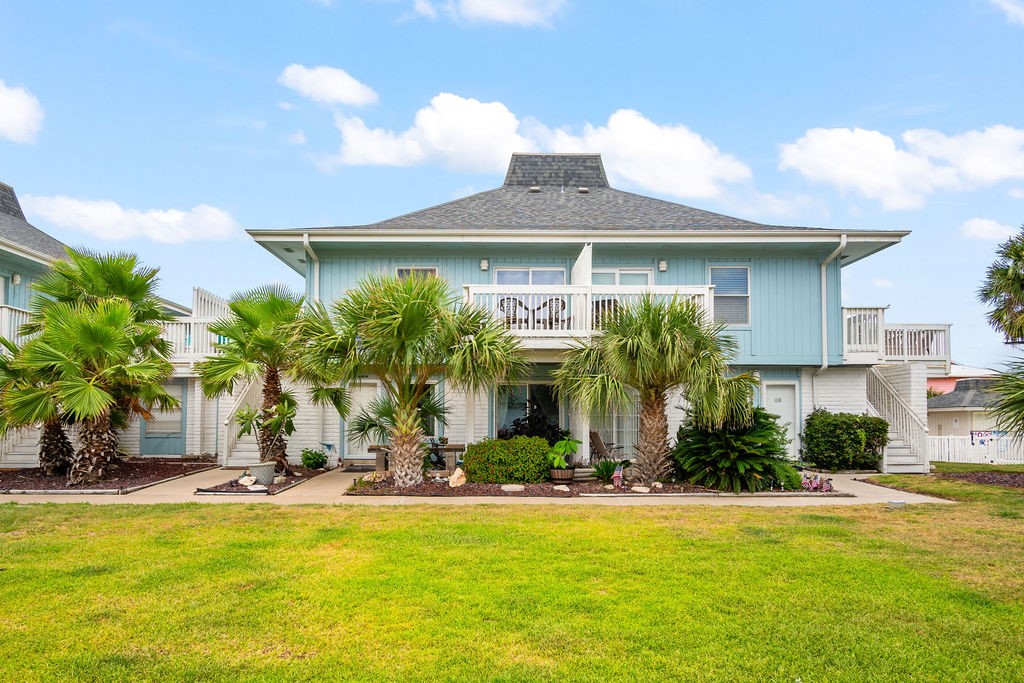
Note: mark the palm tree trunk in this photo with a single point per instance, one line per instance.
(55, 449)
(652, 461)
(407, 450)
(272, 446)
(92, 460)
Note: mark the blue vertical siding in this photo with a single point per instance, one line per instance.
(785, 323)
(19, 295)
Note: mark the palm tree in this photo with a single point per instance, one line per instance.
(92, 352)
(1003, 289)
(408, 333)
(648, 349)
(90, 277)
(55, 449)
(257, 343)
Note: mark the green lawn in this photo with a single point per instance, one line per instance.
(250, 592)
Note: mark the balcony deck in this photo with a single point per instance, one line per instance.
(869, 340)
(552, 316)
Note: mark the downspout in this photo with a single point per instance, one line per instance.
(310, 254)
(824, 317)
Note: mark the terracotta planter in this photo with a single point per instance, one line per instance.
(563, 476)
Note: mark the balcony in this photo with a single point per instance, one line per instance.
(550, 316)
(191, 339)
(868, 339)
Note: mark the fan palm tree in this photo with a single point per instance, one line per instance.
(408, 333)
(1003, 289)
(257, 344)
(92, 353)
(55, 449)
(647, 350)
(89, 277)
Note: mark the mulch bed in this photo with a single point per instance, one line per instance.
(1013, 480)
(546, 490)
(129, 473)
(301, 474)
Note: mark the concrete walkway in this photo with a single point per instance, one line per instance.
(329, 489)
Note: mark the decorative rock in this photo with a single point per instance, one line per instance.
(609, 487)
(279, 479)
(247, 480)
(560, 487)
(640, 489)
(257, 487)
(657, 485)
(458, 478)
(512, 488)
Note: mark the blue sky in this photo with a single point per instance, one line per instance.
(166, 129)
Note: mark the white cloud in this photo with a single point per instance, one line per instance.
(1017, 192)
(461, 133)
(870, 163)
(513, 12)
(468, 135)
(327, 84)
(986, 229)
(21, 115)
(1013, 9)
(297, 138)
(287, 106)
(883, 283)
(670, 159)
(425, 8)
(110, 221)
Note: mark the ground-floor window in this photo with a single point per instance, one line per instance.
(526, 409)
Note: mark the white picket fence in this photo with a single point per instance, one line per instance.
(982, 448)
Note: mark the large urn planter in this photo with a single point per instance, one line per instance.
(264, 472)
(563, 475)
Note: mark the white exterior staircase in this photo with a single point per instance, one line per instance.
(907, 451)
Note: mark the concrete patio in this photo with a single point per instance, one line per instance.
(329, 489)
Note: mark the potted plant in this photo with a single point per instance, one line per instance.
(561, 456)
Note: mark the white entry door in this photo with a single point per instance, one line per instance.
(362, 394)
(780, 399)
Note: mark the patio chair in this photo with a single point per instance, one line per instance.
(599, 450)
(508, 308)
(604, 311)
(551, 314)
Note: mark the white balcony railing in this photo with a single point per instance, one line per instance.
(191, 339)
(867, 338)
(562, 311)
(11, 319)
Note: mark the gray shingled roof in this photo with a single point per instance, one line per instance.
(15, 229)
(542, 192)
(968, 393)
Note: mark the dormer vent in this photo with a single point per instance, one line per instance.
(583, 190)
(534, 189)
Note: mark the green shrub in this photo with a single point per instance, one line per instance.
(605, 470)
(519, 460)
(313, 460)
(843, 441)
(749, 458)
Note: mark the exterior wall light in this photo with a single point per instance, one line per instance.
(16, 279)
(662, 266)
(484, 264)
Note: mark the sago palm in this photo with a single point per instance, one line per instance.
(1003, 288)
(92, 353)
(652, 347)
(409, 333)
(257, 344)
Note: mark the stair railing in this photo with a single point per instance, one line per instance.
(897, 411)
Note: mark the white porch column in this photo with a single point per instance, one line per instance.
(470, 415)
(579, 425)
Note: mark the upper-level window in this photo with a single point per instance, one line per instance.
(732, 294)
(417, 271)
(529, 276)
(627, 277)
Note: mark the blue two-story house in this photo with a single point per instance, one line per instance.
(556, 247)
